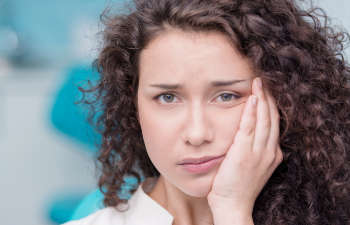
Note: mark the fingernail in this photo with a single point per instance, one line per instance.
(253, 100)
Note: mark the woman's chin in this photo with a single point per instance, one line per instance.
(198, 187)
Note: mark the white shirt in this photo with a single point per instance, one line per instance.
(142, 210)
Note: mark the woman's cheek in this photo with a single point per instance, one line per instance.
(159, 131)
(227, 125)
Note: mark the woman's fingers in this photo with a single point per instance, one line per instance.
(262, 131)
(244, 138)
(239, 153)
(252, 158)
(266, 141)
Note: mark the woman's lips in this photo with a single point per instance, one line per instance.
(197, 160)
(202, 165)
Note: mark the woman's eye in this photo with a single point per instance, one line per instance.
(226, 97)
(166, 98)
(171, 98)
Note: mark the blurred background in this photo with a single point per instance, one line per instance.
(46, 147)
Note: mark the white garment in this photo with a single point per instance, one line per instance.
(142, 210)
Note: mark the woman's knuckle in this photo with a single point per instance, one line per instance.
(271, 158)
(248, 130)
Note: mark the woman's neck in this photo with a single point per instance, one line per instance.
(185, 209)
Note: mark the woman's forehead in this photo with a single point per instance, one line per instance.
(177, 57)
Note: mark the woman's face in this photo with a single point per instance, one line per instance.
(190, 103)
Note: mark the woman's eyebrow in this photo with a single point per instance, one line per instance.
(167, 86)
(226, 83)
(213, 83)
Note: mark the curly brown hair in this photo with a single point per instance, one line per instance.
(300, 58)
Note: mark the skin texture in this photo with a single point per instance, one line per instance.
(197, 120)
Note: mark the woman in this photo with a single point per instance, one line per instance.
(235, 112)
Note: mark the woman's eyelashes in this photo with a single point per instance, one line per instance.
(165, 98)
(226, 97)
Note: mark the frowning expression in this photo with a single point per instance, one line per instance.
(192, 90)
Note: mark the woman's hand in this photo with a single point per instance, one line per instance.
(250, 160)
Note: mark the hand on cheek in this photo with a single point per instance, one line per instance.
(251, 159)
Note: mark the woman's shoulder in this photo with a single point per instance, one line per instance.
(105, 216)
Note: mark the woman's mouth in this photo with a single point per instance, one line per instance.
(201, 165)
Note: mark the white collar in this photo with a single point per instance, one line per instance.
(144, 210)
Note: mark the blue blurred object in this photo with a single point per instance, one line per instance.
(70, 118)
(94, 201)
(49, 30)
(61, 208)
(89, 204)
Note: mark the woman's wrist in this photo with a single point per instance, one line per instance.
(230, 214)
(227, 218)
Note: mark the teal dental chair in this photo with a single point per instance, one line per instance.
(70, 119)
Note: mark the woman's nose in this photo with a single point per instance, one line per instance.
(197, 126)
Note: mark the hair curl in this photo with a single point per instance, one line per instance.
(300, 58)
